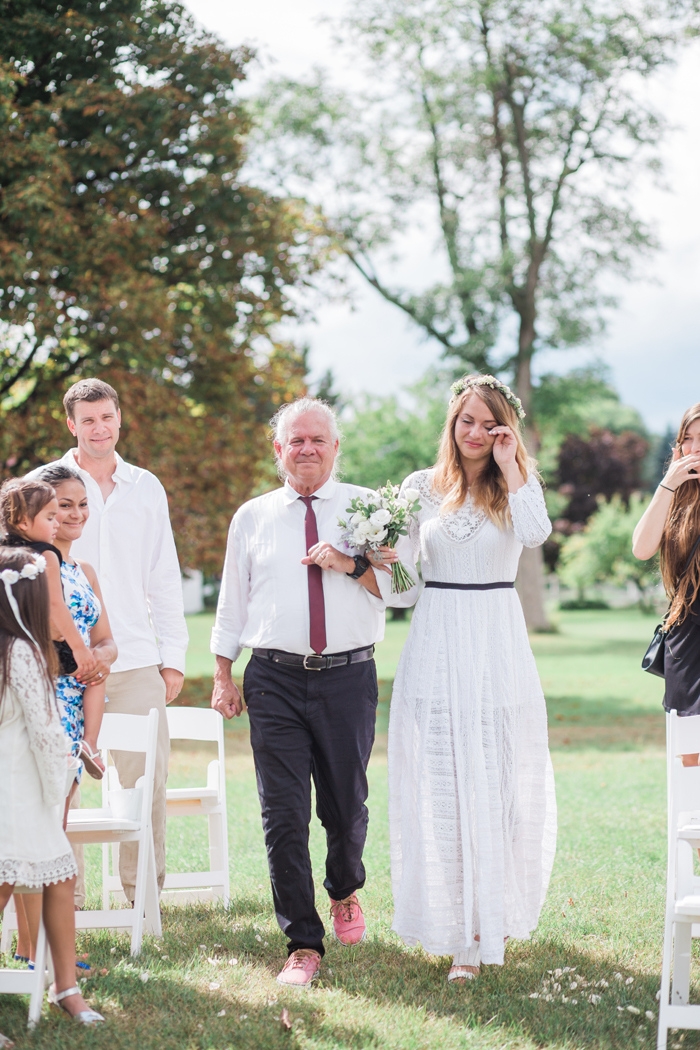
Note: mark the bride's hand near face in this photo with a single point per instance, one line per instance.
(504, 449)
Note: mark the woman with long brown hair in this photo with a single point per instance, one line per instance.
(671, 525)
(471, 791)
(35, 854)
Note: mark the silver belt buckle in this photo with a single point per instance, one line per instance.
(310, 667)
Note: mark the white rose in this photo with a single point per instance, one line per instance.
(380, 517)
(361, 533)
(411, 495)
(376, 534)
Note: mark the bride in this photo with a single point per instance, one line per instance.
(471, 791)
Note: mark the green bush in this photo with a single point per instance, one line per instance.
(602, 552)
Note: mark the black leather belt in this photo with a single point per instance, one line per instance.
(470, 586)
(313, 662)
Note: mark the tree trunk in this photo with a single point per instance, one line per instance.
(530, 579)
(529, 584)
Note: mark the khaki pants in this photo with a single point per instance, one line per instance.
(135, 693)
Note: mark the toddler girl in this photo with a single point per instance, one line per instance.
(28, 510)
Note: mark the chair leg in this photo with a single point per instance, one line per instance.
(664, 993)
(139, 898)
(152, 904)
(682, 942)
(37, 996)
(105, 876)
(9, 925)
(662, 1036)
(216, 845)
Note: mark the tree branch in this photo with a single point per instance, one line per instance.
(21, 371)
(449, 222)
(392, 297)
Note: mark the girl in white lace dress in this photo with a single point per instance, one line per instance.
(35, 853)
(471, 791)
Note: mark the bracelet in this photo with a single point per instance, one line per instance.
(661, 486)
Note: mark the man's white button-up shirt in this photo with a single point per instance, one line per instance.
(264, 600)
(129, 542)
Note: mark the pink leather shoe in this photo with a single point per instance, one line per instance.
(300, 969)
(349, 923)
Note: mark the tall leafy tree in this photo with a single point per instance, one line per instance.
(513, 129)
(130, 246)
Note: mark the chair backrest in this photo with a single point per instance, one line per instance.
(682, 738)
(125, 732)
(684, 734)
(194, 723)
(137, 733)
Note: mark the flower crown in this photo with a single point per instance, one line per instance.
(467, 383)
(30, 571)
(9, 577)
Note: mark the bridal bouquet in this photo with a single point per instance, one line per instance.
(379, 522)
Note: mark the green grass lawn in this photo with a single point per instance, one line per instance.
(211, 979)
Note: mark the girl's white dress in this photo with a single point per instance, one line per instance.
(34, 849)
(471, 790)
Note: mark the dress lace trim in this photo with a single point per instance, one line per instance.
(462, 525)
(35, 874)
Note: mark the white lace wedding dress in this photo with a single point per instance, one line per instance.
(34, 850)
(471, 791)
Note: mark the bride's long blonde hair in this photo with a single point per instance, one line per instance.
(490, 490)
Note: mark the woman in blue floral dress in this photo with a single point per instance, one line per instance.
(81, 702)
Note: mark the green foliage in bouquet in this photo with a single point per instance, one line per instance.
(378, 522)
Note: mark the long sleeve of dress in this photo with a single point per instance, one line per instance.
(47, 739)
(529, 512)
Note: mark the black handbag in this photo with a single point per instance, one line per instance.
(655, 656)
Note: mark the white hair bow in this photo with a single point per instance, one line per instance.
(10, 577)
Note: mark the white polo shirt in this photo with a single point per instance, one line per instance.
(129, 542)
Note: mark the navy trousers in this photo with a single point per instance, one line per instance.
(304, 726)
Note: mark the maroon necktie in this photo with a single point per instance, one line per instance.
(317, 606)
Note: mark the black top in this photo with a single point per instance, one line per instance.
(66, 659)
(682, 665)
(13, 540)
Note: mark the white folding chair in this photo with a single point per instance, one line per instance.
(26, 982)
(186, 723)
(682, 886)
(125, 816)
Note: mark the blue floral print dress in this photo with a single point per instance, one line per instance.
(85, 609)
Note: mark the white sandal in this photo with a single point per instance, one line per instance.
(89, 757)
(88, 1017)
(466, 965)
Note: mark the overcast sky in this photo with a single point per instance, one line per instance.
(653, 340)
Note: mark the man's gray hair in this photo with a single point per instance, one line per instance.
(288, 414)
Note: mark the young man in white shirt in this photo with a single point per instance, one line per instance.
(129, 541)
(312, 615)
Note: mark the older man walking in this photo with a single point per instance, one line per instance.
(311, 614)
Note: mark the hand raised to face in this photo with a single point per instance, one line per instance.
(505, 446)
